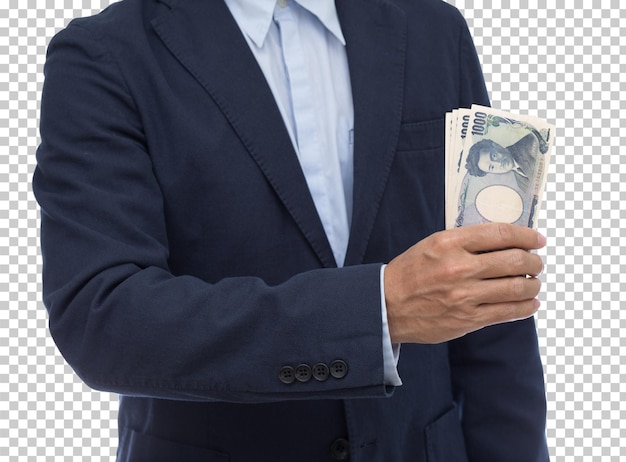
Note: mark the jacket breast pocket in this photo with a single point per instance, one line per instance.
(444, 438)
(141, 447)
(416, 180)
(421, 136)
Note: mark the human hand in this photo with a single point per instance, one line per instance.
(460, 280)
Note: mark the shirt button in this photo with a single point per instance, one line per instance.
(338, 369)
(287, 375)
(321, 372)
(303, 373)
(282, 3)
(340, 449)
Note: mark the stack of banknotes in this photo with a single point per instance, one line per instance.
(496, 166)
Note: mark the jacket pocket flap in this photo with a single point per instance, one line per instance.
(421, 136)
(140, 447)
(444, 438)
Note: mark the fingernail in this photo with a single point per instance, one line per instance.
(537, 304)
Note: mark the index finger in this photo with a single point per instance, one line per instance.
(497, 236)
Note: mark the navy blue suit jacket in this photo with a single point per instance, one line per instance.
(185, 264)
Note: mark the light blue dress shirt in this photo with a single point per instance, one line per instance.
(301, 50)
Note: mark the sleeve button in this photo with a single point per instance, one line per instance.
(287, 375)
(303, 373)
(338, 369)
(321, 372)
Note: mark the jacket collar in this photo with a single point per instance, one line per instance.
(255, 16)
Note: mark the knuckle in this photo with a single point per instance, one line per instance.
(523, 288)
(459, 296)
(457, 271)
(464, 319)
(518, 261)
(519, 288)
(444, 240)
(505, 232)
(480, 318)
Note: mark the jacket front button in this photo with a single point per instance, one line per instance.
(287, 375)
(340, 449)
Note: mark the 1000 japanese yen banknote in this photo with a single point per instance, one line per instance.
(496, 166)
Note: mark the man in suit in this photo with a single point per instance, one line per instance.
(264, 280)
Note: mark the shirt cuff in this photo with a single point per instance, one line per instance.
(391, 352)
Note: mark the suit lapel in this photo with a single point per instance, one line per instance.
(375, 33)
(207, 41)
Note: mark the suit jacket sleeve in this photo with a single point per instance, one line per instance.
(502, 359)
(119, 315)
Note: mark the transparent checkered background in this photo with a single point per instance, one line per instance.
(562, 61)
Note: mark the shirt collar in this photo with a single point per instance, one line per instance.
(255, 16)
